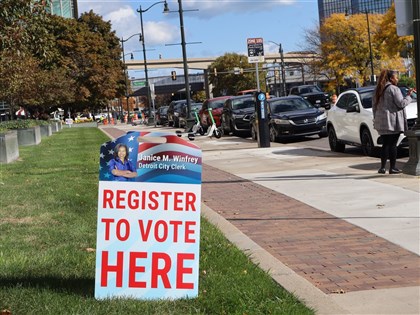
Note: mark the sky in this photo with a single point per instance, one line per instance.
(213, 28)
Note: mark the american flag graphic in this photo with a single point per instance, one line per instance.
(170, 160)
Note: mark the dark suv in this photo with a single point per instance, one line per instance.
(236, 114)
(174, 111)
(195, 107)
(161, 115)
(313, 94)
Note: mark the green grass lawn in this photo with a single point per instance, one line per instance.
(48, 204)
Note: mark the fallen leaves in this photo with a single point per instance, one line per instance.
(341, 291)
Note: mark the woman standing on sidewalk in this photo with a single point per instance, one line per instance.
(389, 117)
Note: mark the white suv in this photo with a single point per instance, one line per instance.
(350, 121)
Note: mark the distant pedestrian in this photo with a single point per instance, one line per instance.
(333, 99)
(115, 116)
(389, 117)
(21, 113)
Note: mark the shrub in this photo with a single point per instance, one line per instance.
(3, 129)
(22, 124)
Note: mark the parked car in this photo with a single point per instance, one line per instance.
(162, 115)
(174, 110)
(236, 115)
(216, 105)
(292, 116)
(99, 117)
(83, 117)
(313, 94)
(350, 121)
(246, 92)
(195, 107)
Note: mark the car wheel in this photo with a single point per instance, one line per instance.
(367, 144)
(273, 134)
(217, 133)
(170, 123)
(253, 133)
(335, 145)
(224, 127)
(233, 130)
(323, 134)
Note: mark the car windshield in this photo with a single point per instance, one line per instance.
(242, 104)
(196, 106)
(310, 89)
(216, 104)
(178, 107)
(289, 105)
(366, 99)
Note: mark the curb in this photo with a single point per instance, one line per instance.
(283, 275)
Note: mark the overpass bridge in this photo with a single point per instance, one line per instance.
(199, 81)
(292, 58)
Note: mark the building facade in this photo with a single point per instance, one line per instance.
(328, 7)
(64, 8)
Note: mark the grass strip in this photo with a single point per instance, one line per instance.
(48, 205)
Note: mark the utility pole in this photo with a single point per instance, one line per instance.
(412, 167)
(283, 70)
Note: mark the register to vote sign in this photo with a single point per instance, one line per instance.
(148, 226)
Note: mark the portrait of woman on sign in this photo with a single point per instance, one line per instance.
(120, 167)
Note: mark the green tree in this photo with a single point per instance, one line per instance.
(24, 47)
(18, 79)
(106, 78)
(226, 82)
(90, 53)
(23, 27)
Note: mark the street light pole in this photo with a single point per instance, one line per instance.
(283, 70)
(276, 90)
(122, 40)
(126, 84)
(184, 58)
(148, 91)
(372, 75)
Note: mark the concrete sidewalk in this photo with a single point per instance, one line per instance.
(327, 227)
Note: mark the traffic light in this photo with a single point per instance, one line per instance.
(173, 75)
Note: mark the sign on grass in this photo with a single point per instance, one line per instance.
(148, 218)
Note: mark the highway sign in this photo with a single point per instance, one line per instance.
(138, 83)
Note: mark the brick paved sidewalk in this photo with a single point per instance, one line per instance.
(332, 254)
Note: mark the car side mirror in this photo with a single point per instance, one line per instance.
(353, 109)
